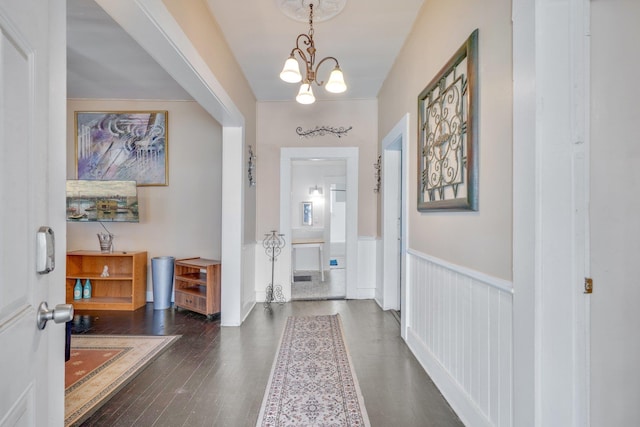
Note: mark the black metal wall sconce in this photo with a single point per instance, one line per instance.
(377, 166)
(251, 167)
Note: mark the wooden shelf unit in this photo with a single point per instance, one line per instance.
(124, 289)
(197, 283)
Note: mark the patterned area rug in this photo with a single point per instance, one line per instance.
(100, 365)
(312, 382)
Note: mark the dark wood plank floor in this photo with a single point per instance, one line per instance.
(216, 376)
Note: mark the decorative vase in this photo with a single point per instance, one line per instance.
(77, 290)
(86, 291)
(106, 242)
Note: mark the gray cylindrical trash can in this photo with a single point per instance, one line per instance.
(162, 276)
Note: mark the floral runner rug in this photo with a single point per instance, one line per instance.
(100, 365)
(312, 382)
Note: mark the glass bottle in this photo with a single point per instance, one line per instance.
(77, 290)
(86, 291)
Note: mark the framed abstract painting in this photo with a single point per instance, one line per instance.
(122, 145)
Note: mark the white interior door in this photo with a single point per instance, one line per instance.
(615, 203)
(394, 218)
(337, 224)
(391, 226)
(32, 122)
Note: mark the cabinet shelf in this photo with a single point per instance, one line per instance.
(102, 303)
(197, 285)
(124, 288)
(200, 291)
(199, 278)
(92, 277)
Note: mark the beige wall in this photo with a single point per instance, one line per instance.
(182, 219)
(203, 31)
(278, 121)
(477, 240)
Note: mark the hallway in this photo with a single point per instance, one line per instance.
(217, 376)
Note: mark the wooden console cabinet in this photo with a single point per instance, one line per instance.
(124, 289)
(198, 285)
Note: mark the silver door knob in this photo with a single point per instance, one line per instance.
(62, 313)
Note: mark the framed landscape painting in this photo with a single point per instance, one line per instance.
(123, 146)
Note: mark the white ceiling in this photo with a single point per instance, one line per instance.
(366, 37)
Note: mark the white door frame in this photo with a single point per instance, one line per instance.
(395, 155)
(350, 154)
(151, 25)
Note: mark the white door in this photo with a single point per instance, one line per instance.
(32, 182)
(615, 223)
(337, 223)
(391, 226)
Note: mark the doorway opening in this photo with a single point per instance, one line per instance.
(318, 215)
(318, 229)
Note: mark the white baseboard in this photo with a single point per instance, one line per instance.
(366, 293)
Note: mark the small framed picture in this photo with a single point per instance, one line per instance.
(307, 213)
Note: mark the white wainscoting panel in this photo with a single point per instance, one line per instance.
(379, 296)
(367, 267)
(459, 326)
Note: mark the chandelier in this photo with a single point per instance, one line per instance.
(291, 71)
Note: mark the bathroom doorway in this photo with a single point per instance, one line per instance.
(318, 228)
(307, 176)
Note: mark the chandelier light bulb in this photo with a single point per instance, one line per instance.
(291, 71)
(336, 81)
(305, 95)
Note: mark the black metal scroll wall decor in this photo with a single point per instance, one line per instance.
(448, 134)
(322, 131)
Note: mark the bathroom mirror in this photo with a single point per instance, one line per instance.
(307, 213)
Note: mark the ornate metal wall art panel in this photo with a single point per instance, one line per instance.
(448, 134)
